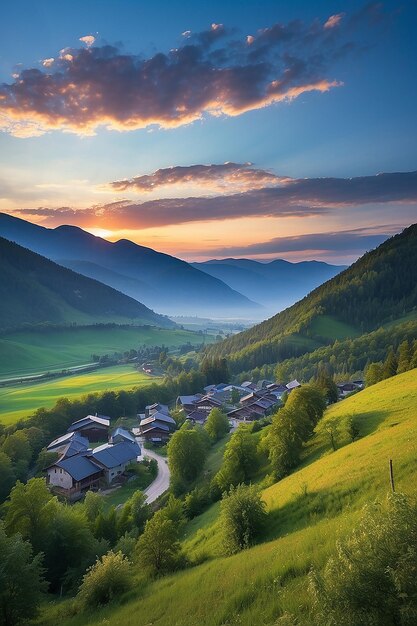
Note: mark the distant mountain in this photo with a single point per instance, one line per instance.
(378, 289)
(276, 285)
(159, 280)
(35, 290)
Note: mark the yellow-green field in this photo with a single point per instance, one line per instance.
(19, 401)
(309, 510)
(31, 351)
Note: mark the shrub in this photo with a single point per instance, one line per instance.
(243, 517)
(106, 580)
(372, 578)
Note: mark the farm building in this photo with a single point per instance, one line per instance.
(94, 427)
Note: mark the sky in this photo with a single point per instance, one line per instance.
(261, 129)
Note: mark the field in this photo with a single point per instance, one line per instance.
(309, 510)
(32, 352)
(330, 328)
(19, 401)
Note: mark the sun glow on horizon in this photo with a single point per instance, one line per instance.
(100, 232)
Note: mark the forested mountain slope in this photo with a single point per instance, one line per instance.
(380, 287)
(34, 290)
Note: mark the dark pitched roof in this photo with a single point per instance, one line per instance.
(154, 426)
(66, 439)
(113, 455)
(89, 420)
(78, 466)
(123, 433)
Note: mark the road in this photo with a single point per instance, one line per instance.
(161, 482)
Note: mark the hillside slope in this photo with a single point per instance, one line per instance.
(309, 510)
(34, 290)
(277, 284)
(159, 280)
(381, 286)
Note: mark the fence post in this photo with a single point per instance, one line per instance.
(391, 476)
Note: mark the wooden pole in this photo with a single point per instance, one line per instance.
(391, 476)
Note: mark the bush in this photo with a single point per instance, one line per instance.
(243, 517)
(106, 580)
(158, 549)
(197, 501)
(372, 578)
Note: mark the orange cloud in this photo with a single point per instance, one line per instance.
(211, 73)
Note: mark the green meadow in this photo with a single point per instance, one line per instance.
(31, 352)
(308, 511)
(19, 401)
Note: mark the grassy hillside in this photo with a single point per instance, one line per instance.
(31, 351)
(19, 401)
(309, 510)
(35, 290)
(378, 288)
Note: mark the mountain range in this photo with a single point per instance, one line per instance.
(160, 281)
(276, 284)
(35, 290)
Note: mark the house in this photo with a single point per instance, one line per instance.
(264, 383)
(114, 458)
(157, 428)
(207, 403)
(69, 444)
(93, 427)
(345, 388)
(198, 416)
(150, 409)
(187, 403)
(293, 385)
(248, 384)
(71, 476)
(121, 434)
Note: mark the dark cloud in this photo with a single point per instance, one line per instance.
(294, 197)
(354, 242)
(213, 72)
(214, 176)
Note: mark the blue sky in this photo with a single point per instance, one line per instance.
(363, 126)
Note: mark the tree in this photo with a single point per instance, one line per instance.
(372, 577)
(309, 399)
(289, 429)
(158, 548)
(93, 506)
(217, 424)
(17, 447)
(326, 384)
(390, 365)
(21, 579)
(30, 510)
(242, 518)
(69, 547)
(373, 374)
(234, 396)
(352, 428)
(8, 477)
(404, 357)
(240, 459)
(106, 580)
(186, 455)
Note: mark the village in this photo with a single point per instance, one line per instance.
(92, 456)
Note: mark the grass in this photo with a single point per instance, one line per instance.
(140, 481)
(18, 402)
(331, 328)
(309, 510)
(32, 352)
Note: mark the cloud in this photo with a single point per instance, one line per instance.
(334, 20)
(292, 198)
(88, 40)
(354, 242)
(212, 73)
(223, 176)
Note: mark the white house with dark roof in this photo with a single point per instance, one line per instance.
(71, 476)
(114, 458)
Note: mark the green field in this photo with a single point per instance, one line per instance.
(19, 401)
(331, 328)
(32, 352)
(309, 510)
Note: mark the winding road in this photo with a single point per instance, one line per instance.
(161, 482)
